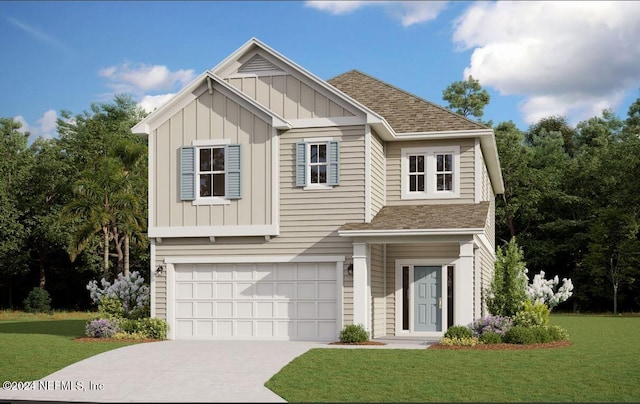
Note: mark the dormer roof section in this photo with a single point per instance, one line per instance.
(207, 81)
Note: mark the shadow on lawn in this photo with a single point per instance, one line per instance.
(64, 328)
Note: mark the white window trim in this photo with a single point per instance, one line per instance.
(208, 200)
(430, 178)
(307, 169)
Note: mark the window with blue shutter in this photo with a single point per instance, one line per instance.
(210, 172)
(317, 164)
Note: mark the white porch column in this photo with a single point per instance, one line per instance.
(360, 275)
(463, 285)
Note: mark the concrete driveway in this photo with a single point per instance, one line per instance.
(171, 371)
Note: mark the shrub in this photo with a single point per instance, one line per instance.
(354, 333)
(490, 337)
(149, 327)
(38, 301)
(110, 307)
(557, 333)
(507, 290)
(532, 315)
(102, 328)
(542, 290)
(456, 341)
(495, 324)
(520, 335)
(458, 331)
(542, 334)
(124, 335)
(132, 293)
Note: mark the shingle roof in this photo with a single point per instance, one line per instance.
(405, 112)
(426, 217)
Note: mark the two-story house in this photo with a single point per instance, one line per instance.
(283, 206)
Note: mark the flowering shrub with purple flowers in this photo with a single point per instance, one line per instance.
(102, 328)
(498, 324)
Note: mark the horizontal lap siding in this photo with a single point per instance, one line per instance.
(309, 220)
(486, 275)
(288, 97)
(214, 116)
(467, 168)
(408, 251)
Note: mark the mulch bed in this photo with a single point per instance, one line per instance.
(89, 339)
(505, 347)
(358, 343)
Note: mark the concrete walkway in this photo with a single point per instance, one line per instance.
(179, 371)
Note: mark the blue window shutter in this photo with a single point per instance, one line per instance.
(187, 173)
(301, 164)
(334, 163)
(233, 168)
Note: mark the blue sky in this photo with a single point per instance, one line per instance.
(535, 58)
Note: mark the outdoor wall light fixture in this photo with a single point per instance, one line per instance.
(350, 269)
(159, 270)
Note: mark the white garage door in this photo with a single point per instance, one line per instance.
(256, 301)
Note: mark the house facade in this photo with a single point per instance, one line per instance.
(283, 206)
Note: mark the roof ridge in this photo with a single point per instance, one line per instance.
(411, 95)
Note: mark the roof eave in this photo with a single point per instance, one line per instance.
(411, 232)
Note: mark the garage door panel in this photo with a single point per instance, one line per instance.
(264, 290)
(262, 301)
(184, 290)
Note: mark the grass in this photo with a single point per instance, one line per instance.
(35, 345)
(603, 365)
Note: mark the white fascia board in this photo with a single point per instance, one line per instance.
(410, 232)
(249, 259)
(492, 160)
(445, 134)
(214, 231)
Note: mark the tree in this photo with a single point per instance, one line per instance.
(553, 125)
(507, 291)
(110, 194)
(467, 97)
(14, 164)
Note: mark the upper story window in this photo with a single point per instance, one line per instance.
(430, 172)
(317, 164)
(210, 172)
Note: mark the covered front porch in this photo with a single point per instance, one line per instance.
(417, 281)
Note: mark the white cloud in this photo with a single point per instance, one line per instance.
(567, 58)
(142, 78)
(408, 12)
(46, 126)
(150, 102)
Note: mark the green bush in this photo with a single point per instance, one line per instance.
(463, 341)
(532, 315)
(542, 334)
(110, 307)
(520, 335)
(38, 301)
(491, 337)
(458, 331)
(354, 333)
(557, 333)
(155, 328)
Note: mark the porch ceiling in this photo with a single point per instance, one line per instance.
(425, 217)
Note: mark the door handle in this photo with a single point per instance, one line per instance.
(440, 303)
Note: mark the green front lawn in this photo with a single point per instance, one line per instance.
(602, 365)
(33, 346)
